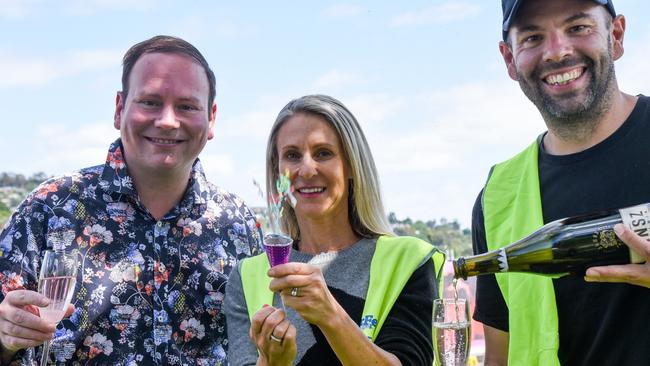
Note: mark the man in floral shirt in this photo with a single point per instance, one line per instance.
(155, 240)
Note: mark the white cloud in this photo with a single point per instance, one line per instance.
(217, 165)
(440, 14)
(91, 60)
(633, 69)
(335, 79)
(18, 70)
(227, 29)
(342, 11)
(21, 71)
(62, 148)
(376, 108)
(91, 7)
(199, 27)
(456, 126)
(255, 124)
(15, 9)
(434, 150)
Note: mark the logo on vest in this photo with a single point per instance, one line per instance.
(368, 322)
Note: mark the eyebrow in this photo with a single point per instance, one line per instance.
(579, 16)
(190, 100)
(316, 146)
(146, 94)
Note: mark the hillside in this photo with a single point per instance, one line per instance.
(13, 189)
(448, 236)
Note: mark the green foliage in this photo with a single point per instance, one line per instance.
(447, 236)
(20, 181)
(13, 189)
(5, 212)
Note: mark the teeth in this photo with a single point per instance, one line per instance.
(565, 78)
(311, 190)
(163, 141)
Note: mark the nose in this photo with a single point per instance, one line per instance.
(558, 47)
(307, 168)
(167, 119)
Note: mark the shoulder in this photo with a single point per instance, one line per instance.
(58, 187)
(406, 242)
(225, 205)
(225, 198)
(406, 251)
(523, 155)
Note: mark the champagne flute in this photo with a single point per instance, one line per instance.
(452, 333)
(56, 281)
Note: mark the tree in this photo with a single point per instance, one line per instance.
(392, 218)
(446, 235)
(5, 213)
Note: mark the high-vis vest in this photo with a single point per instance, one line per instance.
(394, 261)
(512, 209)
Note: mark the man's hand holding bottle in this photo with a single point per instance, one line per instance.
(635, 274)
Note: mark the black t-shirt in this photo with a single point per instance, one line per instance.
(406, 333)
(599, 323)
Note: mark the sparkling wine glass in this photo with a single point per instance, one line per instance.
(451, 331)
(277, 248)
(56, 281)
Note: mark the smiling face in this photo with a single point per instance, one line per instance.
(311, 150)
(562, 54)
(163, 121)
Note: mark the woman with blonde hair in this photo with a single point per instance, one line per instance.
(354, 293)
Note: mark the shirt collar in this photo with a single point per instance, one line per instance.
(115, 178)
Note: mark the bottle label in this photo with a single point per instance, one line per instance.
(637, 218)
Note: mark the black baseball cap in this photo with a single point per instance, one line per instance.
(511, 7)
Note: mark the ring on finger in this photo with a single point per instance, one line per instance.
(294, 292)
(275, 339)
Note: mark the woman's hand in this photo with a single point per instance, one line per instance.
(274, 336)
(303, 288)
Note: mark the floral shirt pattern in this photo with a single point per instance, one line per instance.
(147, 292)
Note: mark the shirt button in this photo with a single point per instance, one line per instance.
(159, 223)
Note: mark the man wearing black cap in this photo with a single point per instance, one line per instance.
(594, 156)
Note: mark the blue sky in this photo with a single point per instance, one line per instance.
(424, 78)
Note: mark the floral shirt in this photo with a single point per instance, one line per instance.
(147, 292)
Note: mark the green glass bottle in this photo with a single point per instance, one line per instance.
(565, 246)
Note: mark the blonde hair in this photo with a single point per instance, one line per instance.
(365, 208)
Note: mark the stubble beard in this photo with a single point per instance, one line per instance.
(574, 116)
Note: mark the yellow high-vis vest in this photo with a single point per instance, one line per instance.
(512, 209)
(394, 261)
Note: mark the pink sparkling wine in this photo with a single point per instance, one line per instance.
(277, 248)
(52, 316)
(59, 290)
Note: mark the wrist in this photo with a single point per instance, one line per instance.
(338, 320)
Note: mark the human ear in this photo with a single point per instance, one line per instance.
(617, 34)
(509, 59)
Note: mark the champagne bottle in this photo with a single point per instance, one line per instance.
(565, 246)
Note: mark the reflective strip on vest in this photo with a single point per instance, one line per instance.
(512, 209)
